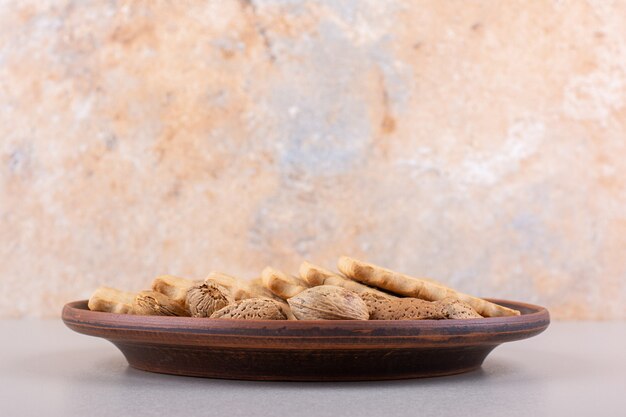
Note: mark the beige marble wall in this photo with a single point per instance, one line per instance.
(482, 143)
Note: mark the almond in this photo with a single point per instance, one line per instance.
(328, 302)
(206, 298)
(154, 303)
(382, 308)
(251, 309)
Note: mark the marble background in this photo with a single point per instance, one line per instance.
(480, 143)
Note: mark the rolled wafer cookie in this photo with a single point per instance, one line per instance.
(402, 284)
(281, 284)
(111, 300)
(175, 288)
(257, 289)
(315, 275)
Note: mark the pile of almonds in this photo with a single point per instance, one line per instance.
(359, 291)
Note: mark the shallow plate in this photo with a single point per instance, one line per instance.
(330, 350)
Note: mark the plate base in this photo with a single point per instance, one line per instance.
(303, 365)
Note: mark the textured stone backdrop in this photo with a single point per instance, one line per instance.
(481, 143)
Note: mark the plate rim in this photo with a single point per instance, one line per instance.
(533, 320)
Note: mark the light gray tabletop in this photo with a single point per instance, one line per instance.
(572, 369)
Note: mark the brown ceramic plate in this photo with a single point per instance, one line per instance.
(306, 350)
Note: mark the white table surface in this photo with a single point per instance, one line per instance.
(572, 369)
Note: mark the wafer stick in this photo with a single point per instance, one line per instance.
(281, 284)
(315, 275)
(111, 300)
(415, 287)
(174, 287)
